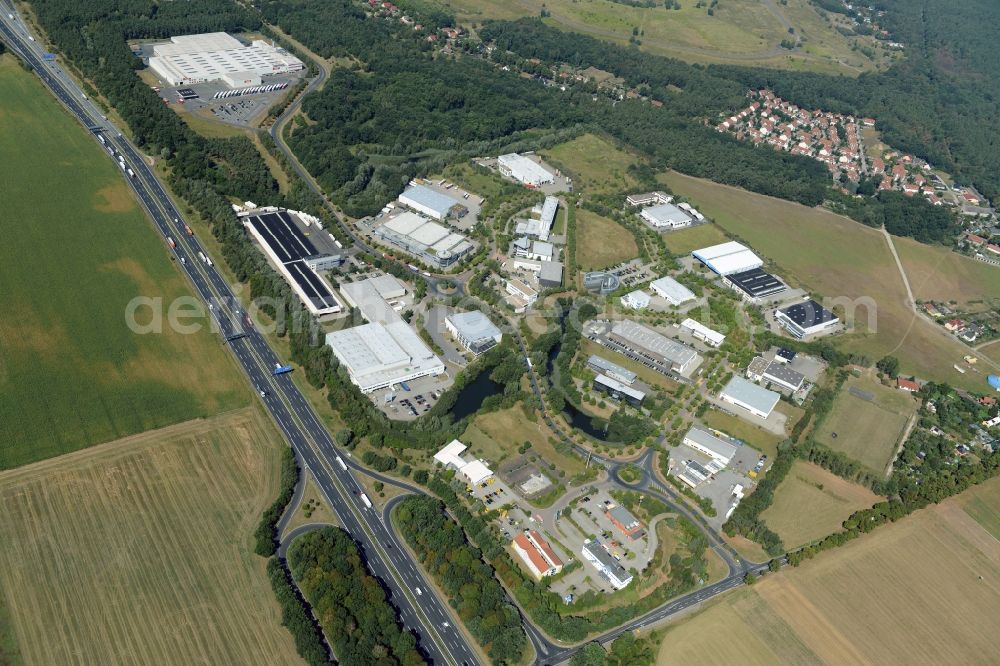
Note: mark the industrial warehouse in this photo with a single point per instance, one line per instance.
(645, 345)
(431, 203)
(542, 227)
(385, 351)
(806, 318)
(727, 258)
(756, 400)
(295, 256)
(212, 56)
(754, 284)
(424, 239)
(525, 170)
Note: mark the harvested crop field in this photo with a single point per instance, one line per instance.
(602, 243)
(140, 551)
(924, 590)
(812, 503)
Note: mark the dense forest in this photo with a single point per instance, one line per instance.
(349, 602)
(467, 581)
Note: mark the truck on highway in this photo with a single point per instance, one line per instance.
(131, 174)
(201, 255)
(343, 465)
(101, 138)
(282, 369)
(171, 242)
(368, 502)
(188, 231)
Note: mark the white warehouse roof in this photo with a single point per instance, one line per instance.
(750, 396)
(714, 338)
(211, 56)
(708, 443)
(726, 258)
(524, 169)
(666, 215)
(426, 200)
(672, 290)
(451, 454)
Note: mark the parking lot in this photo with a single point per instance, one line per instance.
(633, 273)
(403, 405)
(587, 520)
(719, 487)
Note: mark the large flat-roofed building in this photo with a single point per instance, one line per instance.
(524, 169)
(424, 239)
(720, 450)
(296, 258)
(673, 291)
(807, 318)
(652, 348)
(474, 330)
(755, 284)
(550, 274)
(537, 554)
(728, 258)
(605, 367)
(666, 216)
(542, 227)
(703, 333)
(431, 203)
(379, 355)
(385, 351)
(533, 249)
(756, 400)
(608, 567)
(189, 59)
(619, 390)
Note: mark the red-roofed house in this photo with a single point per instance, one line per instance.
(994, 248)
(974, 239)
(907, 385)
(537, 554)
(869, 122)
(954, 324)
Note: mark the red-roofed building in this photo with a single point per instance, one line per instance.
(954, 324)
(907, 385)
(994, 248)
(868, 122)
(537, 554)
(974, 239)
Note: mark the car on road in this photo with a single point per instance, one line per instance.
(418, 591)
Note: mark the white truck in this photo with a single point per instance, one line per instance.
(204, 257)
(131, 174)
(343, 465)
(368, 502)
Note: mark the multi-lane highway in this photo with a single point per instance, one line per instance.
(427, 616)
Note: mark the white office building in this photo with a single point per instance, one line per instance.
(607, 566)
(524, 169)
(666, 216)
(636, 300)
(470, 470)
(703, 333)
(673, 291)
(473, 330)
(189, 59)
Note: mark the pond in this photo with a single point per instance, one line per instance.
(472, 396)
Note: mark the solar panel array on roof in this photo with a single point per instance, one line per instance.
(755, 283)
(284, 237)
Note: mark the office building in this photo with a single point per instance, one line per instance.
(618, 390)
(537, 554)
(636, 300)
(666, 216)
(703, 333)
(670, 289)
(608, 567)
(651, 348)
(719, 450)
(756, 400)
(603, 366)
(473, 330)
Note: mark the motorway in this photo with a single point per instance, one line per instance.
(429, 619)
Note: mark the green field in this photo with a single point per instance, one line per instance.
(140, 551)
(867, 430)
(746, 32)
(936, 273)
(595, 164)
(760, 439)
(812, 502)
(76, 250)
(803, 243)
(686, 241)
(600, 242)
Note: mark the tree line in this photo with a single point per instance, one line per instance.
(348, 602)
(467, 581)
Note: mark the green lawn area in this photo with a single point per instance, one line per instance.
(595, 164)
(936, 273)
(742, 32)
(760, 439)
(812, 502)
(648, 375)
(685, 241)
(867, 430)
(600, 242)
(840, 259)
(983, 504)
(76, 251)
